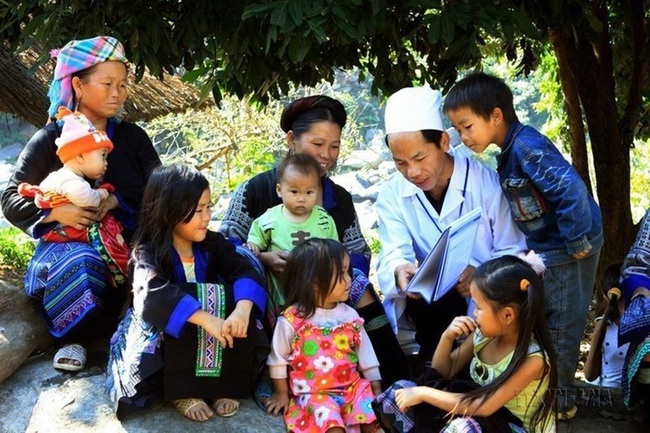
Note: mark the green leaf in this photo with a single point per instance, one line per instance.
(524, 24)
(194, 75)
(271, 37)
(33, 24)
(216, 94)
(297, 50)
(256, 9)
(279, 14)
(154, 36)
(295, 10)
(508, 30)
(447, 25)
(318, 31)
(434, 29)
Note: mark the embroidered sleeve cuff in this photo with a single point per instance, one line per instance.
(631, 283)
(246, 288)
(578, 246)
(177, 320)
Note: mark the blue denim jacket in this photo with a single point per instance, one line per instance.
(548, 200)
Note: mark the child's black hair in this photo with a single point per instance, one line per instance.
(313, 268)
(303, 163)
(170, 197)
(482, 93)
(611, 278)
(501, 281)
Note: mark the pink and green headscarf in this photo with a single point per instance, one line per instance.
(76, 56)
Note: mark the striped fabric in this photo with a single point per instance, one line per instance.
(70, 280)
(76, 56)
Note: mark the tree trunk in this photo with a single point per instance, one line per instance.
(632, 113)
(22, 329)
(577, 134)
(594, 83)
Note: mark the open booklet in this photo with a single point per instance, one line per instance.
(441, 268)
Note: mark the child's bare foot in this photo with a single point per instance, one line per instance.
(225, 407)
(194, 409)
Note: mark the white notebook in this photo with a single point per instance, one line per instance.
(441, 268)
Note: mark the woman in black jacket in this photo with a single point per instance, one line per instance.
(69, 280)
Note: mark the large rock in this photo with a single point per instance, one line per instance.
(22, 329)
(38, 398)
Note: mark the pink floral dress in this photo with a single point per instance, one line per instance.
(326, 387)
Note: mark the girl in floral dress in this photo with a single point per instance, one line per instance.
(320, 350)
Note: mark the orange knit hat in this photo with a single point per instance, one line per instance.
(78, 136)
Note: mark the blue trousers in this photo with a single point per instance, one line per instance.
(568, 289)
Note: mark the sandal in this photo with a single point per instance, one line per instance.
(71, 352)
(221, 403)
(185, 406)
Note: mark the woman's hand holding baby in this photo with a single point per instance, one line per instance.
(73, 216)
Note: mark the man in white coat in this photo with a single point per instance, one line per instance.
(432, 189)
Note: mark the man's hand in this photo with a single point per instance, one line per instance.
(464, 280)
(403, 274)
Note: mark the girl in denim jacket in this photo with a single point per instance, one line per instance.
(549, 202)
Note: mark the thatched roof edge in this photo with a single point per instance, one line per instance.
(147, 99)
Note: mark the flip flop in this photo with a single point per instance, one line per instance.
(185, 405)
(74, 352)
(263, 391)
(224, 401)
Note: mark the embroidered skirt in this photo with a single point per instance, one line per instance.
(69, 282)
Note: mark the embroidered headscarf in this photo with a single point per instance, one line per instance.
(76, 56)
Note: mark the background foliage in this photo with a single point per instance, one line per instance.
(16, 248)
(261, 48)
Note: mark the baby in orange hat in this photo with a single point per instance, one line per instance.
(83, 151)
